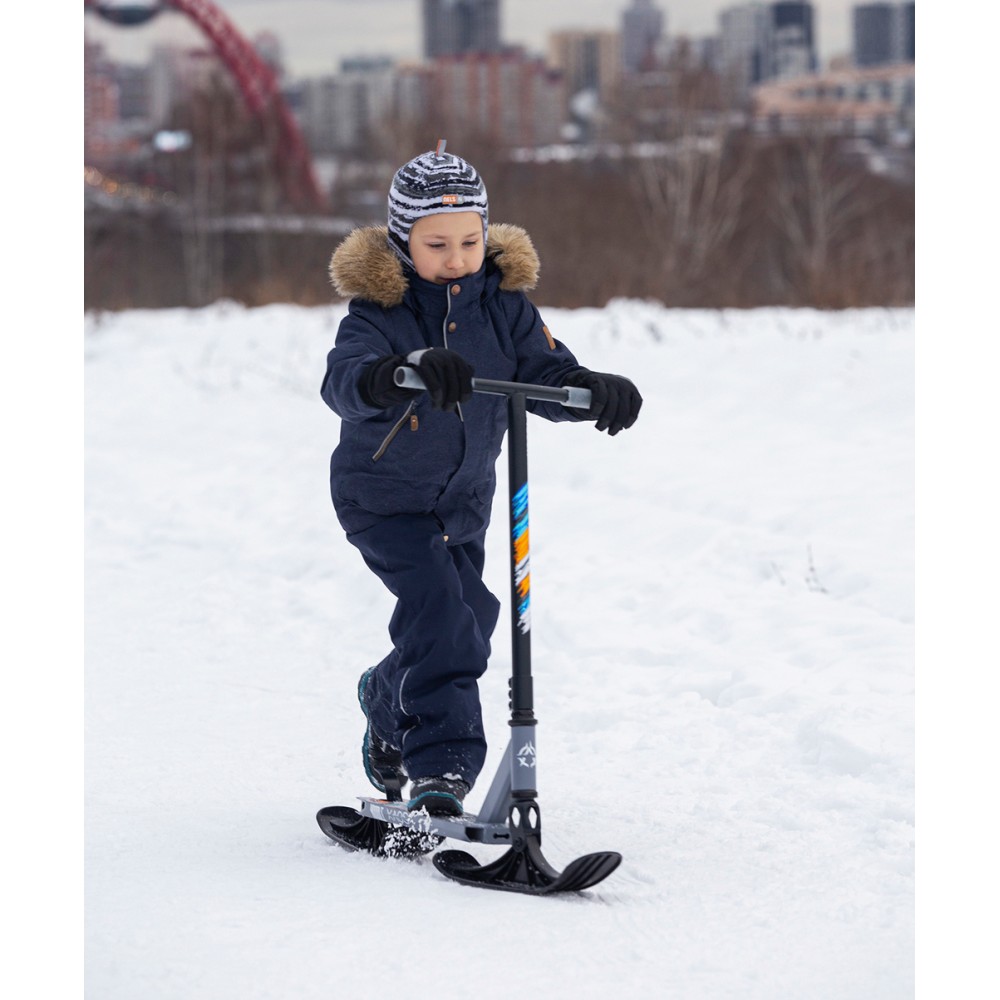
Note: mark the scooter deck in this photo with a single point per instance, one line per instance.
(347, 828)
(467, 827)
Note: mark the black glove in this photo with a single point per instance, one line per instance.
(377, 386)
(447, 375)
(614, 402)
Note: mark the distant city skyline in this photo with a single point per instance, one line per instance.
(316, 34)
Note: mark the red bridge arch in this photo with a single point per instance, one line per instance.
(255, 79)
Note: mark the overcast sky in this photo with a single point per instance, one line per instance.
(316, 34)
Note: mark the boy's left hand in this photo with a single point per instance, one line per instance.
(615, 401)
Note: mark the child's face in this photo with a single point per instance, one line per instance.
(447, 246)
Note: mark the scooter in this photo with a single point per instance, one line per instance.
(510, 815)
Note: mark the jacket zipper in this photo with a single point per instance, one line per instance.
(444, 334)
(395, 430)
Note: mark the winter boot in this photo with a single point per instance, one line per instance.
(383, 762)
(439, 796)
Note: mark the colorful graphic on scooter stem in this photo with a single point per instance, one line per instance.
(522, 573)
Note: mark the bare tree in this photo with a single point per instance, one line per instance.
(687, 171)
(692, 194)
(814, 200)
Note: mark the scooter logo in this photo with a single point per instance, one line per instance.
(526, 755)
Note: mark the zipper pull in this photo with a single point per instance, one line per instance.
(414, 422)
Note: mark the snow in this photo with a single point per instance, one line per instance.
(723, 627)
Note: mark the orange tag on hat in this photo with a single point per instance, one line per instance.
(450, 199)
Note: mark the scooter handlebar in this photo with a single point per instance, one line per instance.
(572, 396)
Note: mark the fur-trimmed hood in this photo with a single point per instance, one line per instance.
(364, 266)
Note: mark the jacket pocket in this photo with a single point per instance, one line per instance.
(407, 415)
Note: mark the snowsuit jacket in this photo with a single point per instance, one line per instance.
(409, 458)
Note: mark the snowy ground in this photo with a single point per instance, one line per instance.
(723, 649)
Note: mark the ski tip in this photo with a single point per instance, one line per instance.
(586, 871)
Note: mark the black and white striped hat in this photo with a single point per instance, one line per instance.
(431, 184)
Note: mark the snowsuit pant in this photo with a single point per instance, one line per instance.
(424, 696)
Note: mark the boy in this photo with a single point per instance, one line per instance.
(413, 477)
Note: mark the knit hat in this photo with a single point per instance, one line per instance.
(431, 184)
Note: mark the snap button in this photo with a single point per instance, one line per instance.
(455, 289)
(452, 327)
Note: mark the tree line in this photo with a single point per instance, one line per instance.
(689, 214)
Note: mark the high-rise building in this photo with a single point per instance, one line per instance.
(907, 34)
(883, 33)
(792, 40)
(643, 25)
(442, 28)
(100, 102)
(175, 73)
(133, 91)
(588, 60)
(268, 46)
(453, 27)
(413, 84)
(874, 29)
(339, 113)
(743, 45)
(507, 97)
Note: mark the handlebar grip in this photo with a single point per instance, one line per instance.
(577, 397)
(573, 396)
(408, 378)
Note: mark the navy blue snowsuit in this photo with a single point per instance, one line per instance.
(413, 487)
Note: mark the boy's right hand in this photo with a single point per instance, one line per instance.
(378, 387)
(446, 374)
